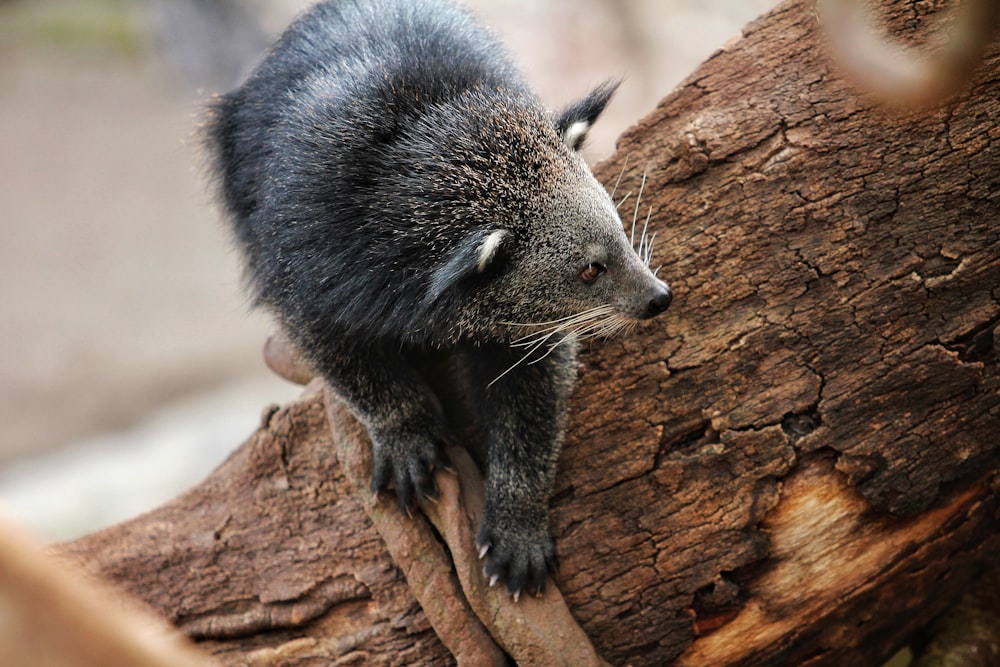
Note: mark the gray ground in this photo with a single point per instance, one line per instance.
(120, 298)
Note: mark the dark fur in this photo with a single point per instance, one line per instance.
(402, 197)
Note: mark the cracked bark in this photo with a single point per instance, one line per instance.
(798, 465)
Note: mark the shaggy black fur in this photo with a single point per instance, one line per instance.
(401, 195)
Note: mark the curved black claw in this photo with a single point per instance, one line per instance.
(406, 465)
(521, 558)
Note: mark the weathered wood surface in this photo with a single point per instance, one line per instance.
(275, 541)
(798, 464)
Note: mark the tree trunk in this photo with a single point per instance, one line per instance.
(798, 464)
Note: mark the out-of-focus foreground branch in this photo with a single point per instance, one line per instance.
(902, 74)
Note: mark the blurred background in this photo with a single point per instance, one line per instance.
(130, 362)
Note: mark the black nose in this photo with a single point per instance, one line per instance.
(660, 302)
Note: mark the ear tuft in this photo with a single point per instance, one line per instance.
(480, 252)
(574, 122)
(489, 248)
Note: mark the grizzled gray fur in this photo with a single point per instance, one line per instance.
(415, 217)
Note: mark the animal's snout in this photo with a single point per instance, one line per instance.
(660, 301)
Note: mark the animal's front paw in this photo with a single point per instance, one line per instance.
(405, 462)
(518, 555)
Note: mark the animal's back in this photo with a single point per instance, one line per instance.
(303, 148)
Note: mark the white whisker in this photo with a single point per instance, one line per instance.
(536, 339)
(624, 199)
(604, 320)
(635, 214)
(528, 354)
(641, 251)
(555, 321)
(607, 328)
(619, 180)
(562, 324)
(516, 364)
(603, 327)
(553, 347)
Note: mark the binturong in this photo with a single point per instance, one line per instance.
(416, 218)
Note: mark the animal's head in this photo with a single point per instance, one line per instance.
(552, 255)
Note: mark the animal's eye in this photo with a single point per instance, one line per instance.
(592, 272)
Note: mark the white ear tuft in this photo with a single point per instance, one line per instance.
(488, 250)
(573, 135)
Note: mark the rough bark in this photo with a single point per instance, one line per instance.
(273, 543)
(798, 465)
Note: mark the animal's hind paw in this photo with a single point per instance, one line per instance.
(405, 463)
(523, 558)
